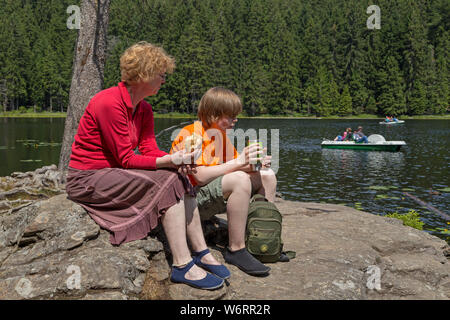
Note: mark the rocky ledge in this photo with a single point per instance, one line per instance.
(51, 249)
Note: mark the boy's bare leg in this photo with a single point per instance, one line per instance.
(236, 189)
(265, 183)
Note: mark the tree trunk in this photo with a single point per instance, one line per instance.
(4, 92)
(87, 70)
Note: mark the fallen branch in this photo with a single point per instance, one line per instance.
(429, 206)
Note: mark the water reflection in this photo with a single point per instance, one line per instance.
(390, 162)
(381, 162)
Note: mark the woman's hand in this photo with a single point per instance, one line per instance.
(185, 158)
(185, 161)
(181, 159)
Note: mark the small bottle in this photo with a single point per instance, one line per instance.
(257, 166)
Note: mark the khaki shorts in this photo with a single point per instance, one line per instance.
(210, 199)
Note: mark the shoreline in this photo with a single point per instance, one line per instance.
(188, 116)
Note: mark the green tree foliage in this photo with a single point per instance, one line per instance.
(281, 56)
(345, 102)
(322, 94)
(392, 98)
(371, 106)
(36, 53)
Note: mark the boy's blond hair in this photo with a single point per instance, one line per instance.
(218, 102)
(143, 61)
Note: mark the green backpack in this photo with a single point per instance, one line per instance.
(263, 232)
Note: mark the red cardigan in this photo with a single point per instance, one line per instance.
(108, 133)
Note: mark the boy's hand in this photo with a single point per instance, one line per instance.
(250, 154)
(186, 169)
(184, 161)
(266, 162)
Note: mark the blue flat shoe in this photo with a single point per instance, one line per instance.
(219, 270)
(210, 282)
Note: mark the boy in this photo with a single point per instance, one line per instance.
(225, 180)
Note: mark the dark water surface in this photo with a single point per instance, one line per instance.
(369, 180)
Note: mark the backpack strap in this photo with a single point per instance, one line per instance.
(258, 197)
(285, 256)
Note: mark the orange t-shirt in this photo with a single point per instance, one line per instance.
(216, 147)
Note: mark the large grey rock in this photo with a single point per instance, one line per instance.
(52, 249)
(340, 252)
(20, 189)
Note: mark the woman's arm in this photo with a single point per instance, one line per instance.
(112, 122)
(165, 162)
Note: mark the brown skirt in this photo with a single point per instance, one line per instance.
(126, 202)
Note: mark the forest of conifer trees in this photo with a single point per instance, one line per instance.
(283, 57)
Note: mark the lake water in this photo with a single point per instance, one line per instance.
(371, 181)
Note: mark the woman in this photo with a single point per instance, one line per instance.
(344, 136)
(128, 193)
(349, 135)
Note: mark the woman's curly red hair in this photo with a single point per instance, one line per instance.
(143, 61)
